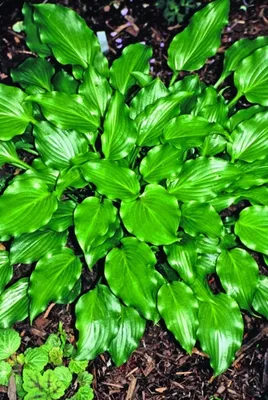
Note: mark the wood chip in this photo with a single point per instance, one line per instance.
(11, 391)
(131, 389)
(161, 389)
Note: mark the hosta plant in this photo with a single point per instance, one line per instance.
(129, 177)
(45, 372)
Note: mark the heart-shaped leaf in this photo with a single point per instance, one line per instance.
(238, 272)
(131, 329)
(9, 342)
(154, 217)
(53, 277)
(130, 273)
(178, 307)
(97, 320)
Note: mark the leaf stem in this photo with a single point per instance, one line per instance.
(174, 77)
(235, 100)
(219, 81)
(134, 157)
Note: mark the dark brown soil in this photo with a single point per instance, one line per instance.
(159, 369)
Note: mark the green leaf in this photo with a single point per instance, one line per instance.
(148, 95)
(97, 316)
(53, 386)
(68, 111)
(203, 178)
(33, 382)
(78, 366)
(34, 72)
(237, 52)
(84, 393)
(8, 154)
(15, 115)
(182, 257)
(5, 373)
(131, 275)
(96, 89)
(252, 228)
(56, 146)
(53, 277)
(141, 78)
(35, 359)
(71, 40)
(55, 356)
(63, 82)
(249, 140)
(154, 217)
(131, 330)
(190, 83)
(14, 303)
(200, 218)
(30, 247)
(120, 135)
(62, 218)
(153, 119)
(84, 378)
(32, 34)
(189, 49)
(212, 106)
(260, 299)
(161, 162)
(31, 205)
(251, 77)
(6, 270)
(112, 180)
(212, 145)
(178, 307)
(238, 272)
(9, 343)
(243, 115)
(188, 131)
(135, 57)
(70, 178)
(220, 331)
(93, 220)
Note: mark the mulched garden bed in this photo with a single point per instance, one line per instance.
(159, 369)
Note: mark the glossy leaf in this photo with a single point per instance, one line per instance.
(14, 303)
(131, 275)
(220, 331)
(212, 145)
(203, 178)
(212, 106)
(96, 89)
(30, 247)
(53, 277)
(178, 307)
(152, 120)
(9, 343)
(189, 49)
(131, 330)
(32, 207)
(200, 218)
(243, 115)
(252, 228)
(63, 82)
(251, 77)
(250, 139)
(8, 154)
(135, 57)
(237, 52)
(148, 95)
(120, 134)
(93, 220)
(6, 270)
(111, 179)
(62, 218)
(97, 320)
(56, 146)
(238, 272)
(32, 34)
(188, 131)
(71, 40)
(67, 111)
(260, 300)
(182, 257)
(15, 115)
(154, 217)
(190, 83)
(161, 162)
(34, 72)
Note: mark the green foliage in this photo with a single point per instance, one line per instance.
(124, 169)
(177, 9)
(42, 372)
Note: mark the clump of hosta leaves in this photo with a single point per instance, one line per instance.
(130, 177)
(45, 372)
